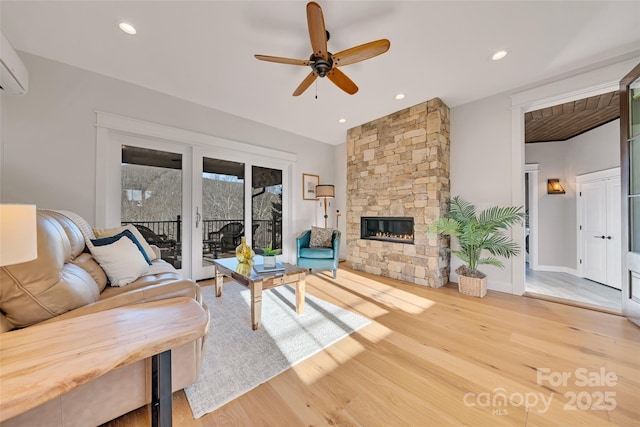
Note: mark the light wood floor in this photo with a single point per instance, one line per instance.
(565, 286)
(433, 357)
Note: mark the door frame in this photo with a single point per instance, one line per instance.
(108, 180)
(108, 158)
(532, 170)
(596, 82)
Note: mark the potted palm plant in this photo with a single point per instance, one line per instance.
(269, 255)
(477, 233)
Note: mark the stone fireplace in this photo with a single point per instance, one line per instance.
(397, 184)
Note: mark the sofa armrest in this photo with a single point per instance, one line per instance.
(336, 243)
(155, 292)
(302, 241)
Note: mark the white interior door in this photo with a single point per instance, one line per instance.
(594, 231)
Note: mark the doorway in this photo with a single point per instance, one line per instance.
(554, 241)
(235, 198)
(602, 80)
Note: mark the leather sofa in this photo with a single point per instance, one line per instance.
(66, 281)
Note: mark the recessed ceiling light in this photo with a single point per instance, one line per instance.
(400, 96)
(127, 28)
(342, 120)
(499, 55)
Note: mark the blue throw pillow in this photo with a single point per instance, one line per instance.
(125, 233)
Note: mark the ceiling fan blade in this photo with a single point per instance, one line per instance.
(360, 53)
(305, 83)
(342, 81)
(317, 31)
(280, 60)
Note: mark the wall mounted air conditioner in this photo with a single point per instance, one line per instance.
(14, 78)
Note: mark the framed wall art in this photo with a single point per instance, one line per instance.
(309, 183)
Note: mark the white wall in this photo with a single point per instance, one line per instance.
(481, 165)
(595, 150)
(592, 151)
(49, 139)
(553, 209)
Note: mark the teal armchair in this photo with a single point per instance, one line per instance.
(321, 258)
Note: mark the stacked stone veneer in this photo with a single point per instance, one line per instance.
(399, 166)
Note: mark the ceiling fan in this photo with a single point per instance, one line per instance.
(324, 63)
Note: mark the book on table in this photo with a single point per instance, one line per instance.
(260, 268)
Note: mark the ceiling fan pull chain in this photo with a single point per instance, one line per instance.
(316, 89)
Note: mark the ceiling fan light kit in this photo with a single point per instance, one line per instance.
(322, 62)
(320, 65)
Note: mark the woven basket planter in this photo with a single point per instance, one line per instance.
(472, 286)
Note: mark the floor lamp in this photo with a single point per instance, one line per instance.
(18, 234)
(324, 191)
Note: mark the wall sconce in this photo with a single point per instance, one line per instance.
(325, 191)
(554, 187)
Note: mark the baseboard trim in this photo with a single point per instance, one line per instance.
(506, 287)
(557, 269)
(571, 303)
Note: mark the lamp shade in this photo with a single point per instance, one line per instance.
(18, 234)
(325, 191)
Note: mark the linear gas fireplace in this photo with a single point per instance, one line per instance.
(388, 229)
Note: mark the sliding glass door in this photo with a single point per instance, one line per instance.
(193, 195)
(147, 183)
(152, 198)
(234, 197)
(266, 208)
(219, 222)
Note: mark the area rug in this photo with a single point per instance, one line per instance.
(238, 359)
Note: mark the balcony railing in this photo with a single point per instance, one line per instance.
(264, 232)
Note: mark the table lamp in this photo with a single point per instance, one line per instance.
(18, 234)
(325, 191)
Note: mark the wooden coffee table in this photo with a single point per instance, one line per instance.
(247, 276)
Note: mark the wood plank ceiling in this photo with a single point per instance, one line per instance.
(565, 121)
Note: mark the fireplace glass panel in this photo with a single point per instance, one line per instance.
(390, 229)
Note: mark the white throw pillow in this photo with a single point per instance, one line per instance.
(109, 232)
(121, 260)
